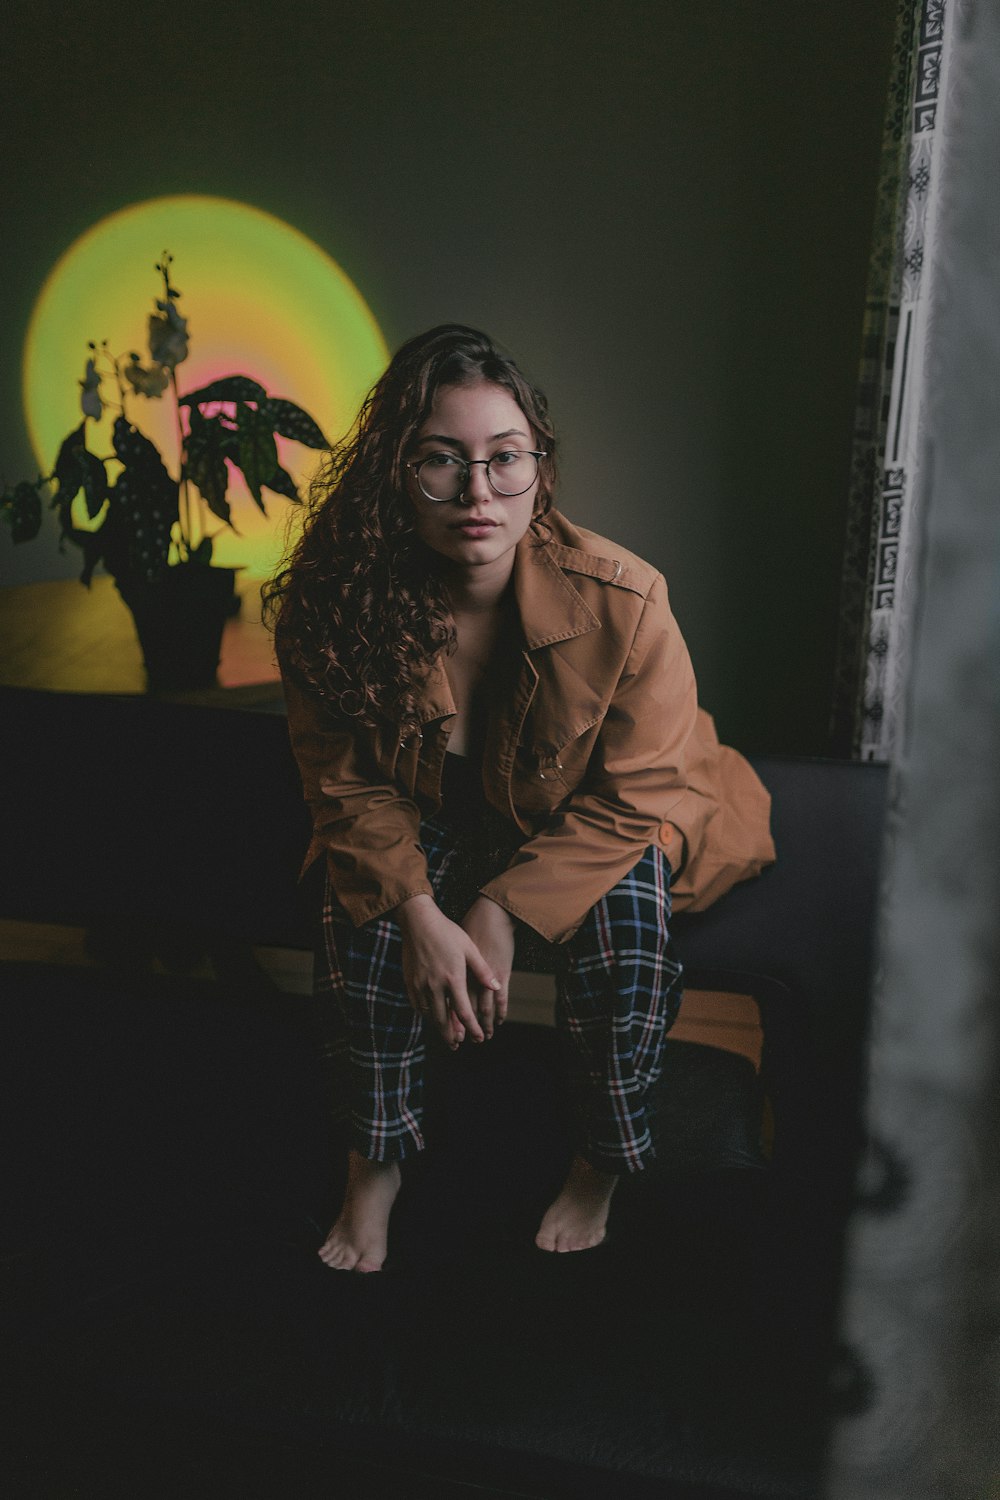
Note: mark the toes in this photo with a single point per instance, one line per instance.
(341, 1256)
(589, 1242)
(337, 1253)
(338, 1257)
(562, 1240)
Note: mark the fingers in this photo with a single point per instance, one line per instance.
(463, 1010)
(451, 1029)
(490, 1011)
(481, 970)
(441, 1016)
(492, 1007)
(437, 955)
(487, 1011)
(492, 932)
(488, 987)
(438, 1012)
(500, 1001)
(451, 1013)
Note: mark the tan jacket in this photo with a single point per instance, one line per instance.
(596, 749)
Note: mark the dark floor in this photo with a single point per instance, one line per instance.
(170, 1330)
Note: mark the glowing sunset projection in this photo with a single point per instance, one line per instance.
(261, 300)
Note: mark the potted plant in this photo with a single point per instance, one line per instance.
(151, 531)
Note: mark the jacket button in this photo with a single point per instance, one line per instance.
(666, 834)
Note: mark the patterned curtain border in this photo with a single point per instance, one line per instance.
(870, 642)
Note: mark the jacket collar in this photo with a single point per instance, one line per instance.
(549, 607)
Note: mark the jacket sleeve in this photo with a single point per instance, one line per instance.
(371, 833)
(636, 776)
(721, 830)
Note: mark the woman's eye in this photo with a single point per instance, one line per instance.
(507, 457)
(441, 460)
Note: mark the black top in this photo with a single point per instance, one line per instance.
(462, 797)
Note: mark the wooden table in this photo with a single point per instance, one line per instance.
(62, 637)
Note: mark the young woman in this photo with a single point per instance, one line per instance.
(495, 719)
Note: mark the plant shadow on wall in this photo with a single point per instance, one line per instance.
(150, 531)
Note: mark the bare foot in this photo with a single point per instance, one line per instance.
(578, 1218)
(359, 1239)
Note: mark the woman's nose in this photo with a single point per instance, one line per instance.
(478, 488)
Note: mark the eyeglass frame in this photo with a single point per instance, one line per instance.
(469, 464)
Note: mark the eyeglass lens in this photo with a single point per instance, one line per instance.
(443, 476)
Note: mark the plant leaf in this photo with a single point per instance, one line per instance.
(292, 422)
(258, 452)
(206, 448)
(93, 544)
(90, 387)
(22, 510)
(229, 388)
(95, 481)
(167, 336)
(68, 471)
(144, 506)
(151, 382)
(76, 467)
(282, 483)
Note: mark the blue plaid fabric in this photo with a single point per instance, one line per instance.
(618, 991)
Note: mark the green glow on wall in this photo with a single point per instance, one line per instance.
(261, 300)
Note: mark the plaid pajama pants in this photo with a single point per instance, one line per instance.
(618, 991)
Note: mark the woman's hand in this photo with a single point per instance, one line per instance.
(439, 961)
(492, 930)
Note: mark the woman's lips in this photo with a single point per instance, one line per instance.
(474, 528)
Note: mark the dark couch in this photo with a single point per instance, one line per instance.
(173, 1328)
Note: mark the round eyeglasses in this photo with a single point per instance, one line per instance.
(445, 476)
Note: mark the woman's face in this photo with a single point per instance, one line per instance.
(481, 528)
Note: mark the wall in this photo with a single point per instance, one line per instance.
(662, 209)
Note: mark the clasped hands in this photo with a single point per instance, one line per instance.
(457, 974)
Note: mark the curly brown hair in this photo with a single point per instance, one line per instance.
(358, 612)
